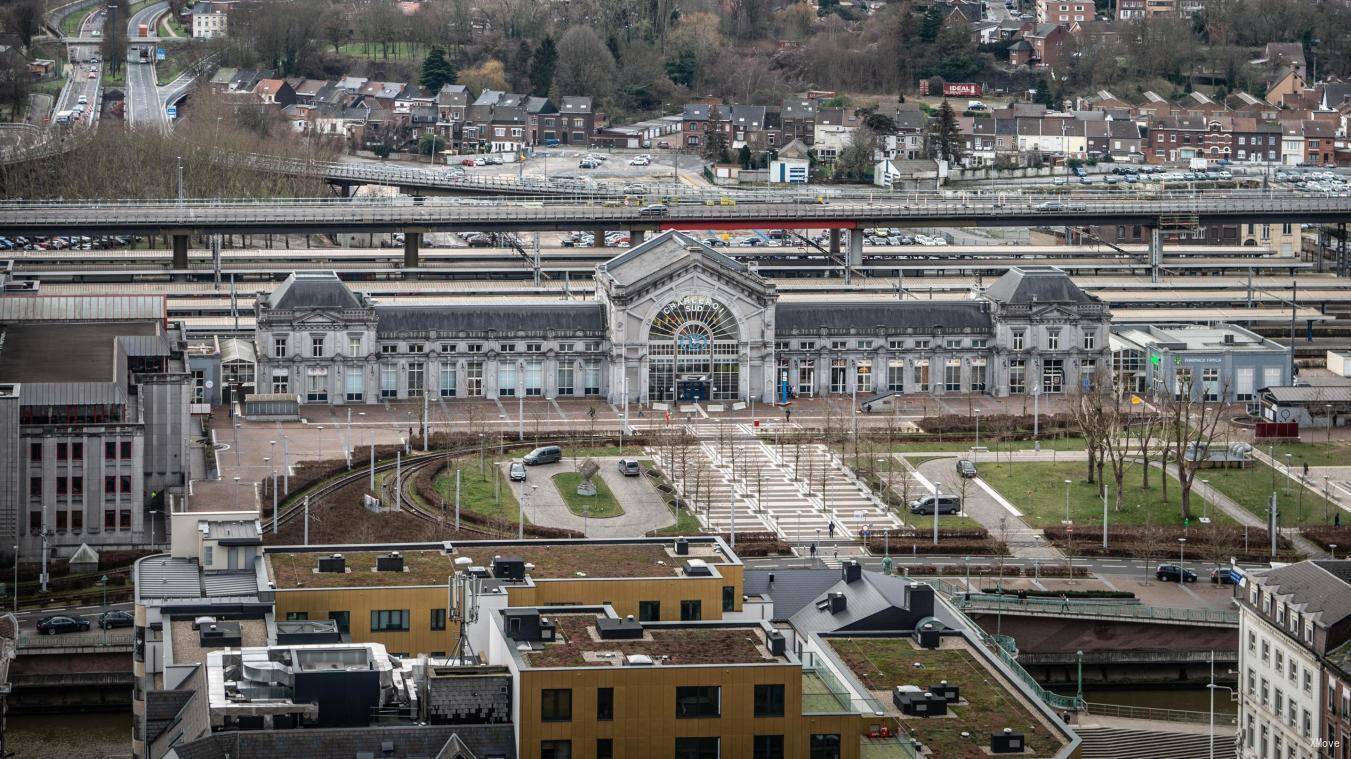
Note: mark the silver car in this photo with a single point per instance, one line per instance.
(516, 473)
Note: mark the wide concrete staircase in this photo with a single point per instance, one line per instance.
(1119, 743)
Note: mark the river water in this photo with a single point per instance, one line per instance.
(88, 735)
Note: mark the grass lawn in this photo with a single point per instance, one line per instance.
(116, 80)
(488, 494)
(1313, 454)
(375, 50)
(686, 524)
(1252, 487)
(881, 663)
(70, 25)
(961, 446)
(601, 506)
(1038, 490)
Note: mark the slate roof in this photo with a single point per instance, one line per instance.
(809, 316)
(313, 290)
(167, 577)
(453, 95)
(161, 708)
(1307, 394)
(1037, 285)
(695, 112)
(873, 595)
(476, 317)
(1322, 587)
(575, 104)
(408, 740)
(792, 589)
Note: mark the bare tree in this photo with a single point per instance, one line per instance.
(1192, 415)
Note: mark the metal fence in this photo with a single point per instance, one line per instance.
(1155, 714)
(1100, 608)
(92, 639)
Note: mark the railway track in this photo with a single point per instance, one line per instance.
(293, 507)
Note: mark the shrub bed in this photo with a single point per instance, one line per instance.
(1208, 543)
(1326, 536)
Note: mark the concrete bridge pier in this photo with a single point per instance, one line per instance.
(180, 243)
(834, 242)
(598, 238)
(855, 260)
(636, 237)
(412, 242)
(1155, 255)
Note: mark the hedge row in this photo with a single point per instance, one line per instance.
(1032, 593)
(1327, 536)
(1211, 543)
(996, 424)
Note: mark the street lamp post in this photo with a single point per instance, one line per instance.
(1067, 500)
(1181, 560)
(234, 495)
(1104, 515)
(285, 468)
(938, 491)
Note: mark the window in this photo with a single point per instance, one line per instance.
(696, 748)
(354, 345)
(415, 348)
(355, 390)
(1052, 339)
(316, 346)
(392, 620)
(389, 381)
(896, 375)
(806, 345)
(109, 520)
(506, 347)
(62, 452)
(124, 519)
(1266, 650)
(691, 611)
(296, 615)
(474, 348)
(555, 704)
(35, 486)
(534, 379)
(693, 701)
(922, 344)
(767, 747)
(605, 748)
(534, 347)
(825, 746)
(952, 376)
(438, 619)
(389, 348)
(473, 378)
(649, 611)
(565, 379)
(555, 750)
(447, 379)
(77, 486)
(605, 704)
(506, 378)
(344, 620)
(448, 347)
(769, 700)
(952, 343)
(417, 374)
(279, 347)
(1090, 341)
(863, 376)
(110, 484)
(1018, 339)
(839, 345)
(1280, 662)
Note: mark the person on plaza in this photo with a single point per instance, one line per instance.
(830, 528)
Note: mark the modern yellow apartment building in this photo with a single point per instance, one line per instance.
(404, 605)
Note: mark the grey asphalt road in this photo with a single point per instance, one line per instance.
(80, 84)
(644, 508)
(143, 101)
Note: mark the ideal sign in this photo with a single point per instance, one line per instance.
(960, 89)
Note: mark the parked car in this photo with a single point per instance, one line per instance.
(629, 467)
(516, 472)
(1174, 573)
(110, 619)
(544, 455)
(639, 161)
(467, 162)
(944, 503)
(1226, 576)
(62, 623)
(656, 209)
(966, 468)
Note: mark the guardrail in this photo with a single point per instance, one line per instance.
(1155, 714)
(101, 639)
(1094, 608)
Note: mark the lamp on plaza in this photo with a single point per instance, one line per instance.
(234, 495)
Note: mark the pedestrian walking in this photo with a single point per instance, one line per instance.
(812, 549)
(1306, 470)
(1022, 596)
(830, 528)
(1064, 602)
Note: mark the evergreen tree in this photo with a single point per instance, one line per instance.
(946, 139)
(715, 139)
(437, 71)
(744, 156)
(931, 24)
(542, 67)
(520, 67)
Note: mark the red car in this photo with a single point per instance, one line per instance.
(467, 162)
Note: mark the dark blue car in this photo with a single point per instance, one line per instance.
(1226, 576)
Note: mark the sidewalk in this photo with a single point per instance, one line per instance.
(1246, 518)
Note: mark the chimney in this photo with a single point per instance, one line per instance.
(837, 602)
(851, 570)
(919, 599)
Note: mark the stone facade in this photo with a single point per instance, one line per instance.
(674, 320)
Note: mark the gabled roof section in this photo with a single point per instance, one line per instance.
(563, 316)
(1042, 284)
(667, 248)
(809, 316)
(319, 289)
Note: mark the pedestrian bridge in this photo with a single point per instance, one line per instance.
(1090, 608)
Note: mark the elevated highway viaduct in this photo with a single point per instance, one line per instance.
(415, 216)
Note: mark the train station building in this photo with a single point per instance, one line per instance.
(675, 320)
